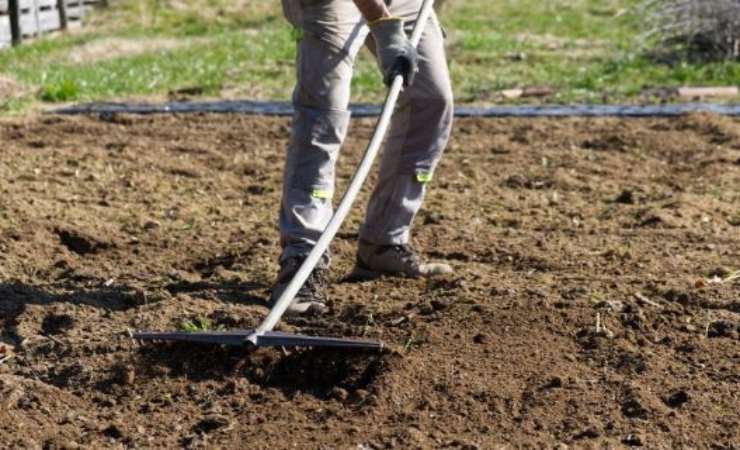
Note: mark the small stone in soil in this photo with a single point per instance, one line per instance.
(719, 272)
(398, 321)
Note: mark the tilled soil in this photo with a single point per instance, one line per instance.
(594, 302)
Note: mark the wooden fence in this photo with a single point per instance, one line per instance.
(26, 19)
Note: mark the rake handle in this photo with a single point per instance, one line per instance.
(352, 191)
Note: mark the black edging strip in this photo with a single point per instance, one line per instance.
(368, 110)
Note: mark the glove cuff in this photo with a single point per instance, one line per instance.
(388, 31)
(372, 23)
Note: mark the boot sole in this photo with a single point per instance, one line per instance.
(363, 274)
(312, 310)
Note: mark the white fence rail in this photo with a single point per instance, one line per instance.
(25, 19)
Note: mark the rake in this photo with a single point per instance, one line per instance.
(263, 335)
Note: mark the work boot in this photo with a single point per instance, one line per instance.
(311, 298)
(374, 261)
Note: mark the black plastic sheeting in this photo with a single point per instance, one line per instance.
(367, 110)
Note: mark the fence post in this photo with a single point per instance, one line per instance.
(14, 9)
(62, 7)
(36, 12)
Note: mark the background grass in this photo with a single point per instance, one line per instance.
(588, 50)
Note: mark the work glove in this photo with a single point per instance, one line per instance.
(396, 54)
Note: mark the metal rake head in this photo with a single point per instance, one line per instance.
(240, 338)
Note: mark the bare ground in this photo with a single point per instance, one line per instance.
(593, 303)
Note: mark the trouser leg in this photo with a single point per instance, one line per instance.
(332, 34)
(417, 138)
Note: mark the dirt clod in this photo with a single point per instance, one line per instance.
(588, 433)
(113, 431)
(632, 409)
(627, 197)
(481, 338)
(553, 383)
(677, 399)
(339, 394)
(79, 242)
(633, 440)
(125, 374)
(211, 423)
(721, 328)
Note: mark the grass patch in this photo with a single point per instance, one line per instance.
(585, 49)
(61, 91)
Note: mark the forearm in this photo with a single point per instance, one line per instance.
(372, 9)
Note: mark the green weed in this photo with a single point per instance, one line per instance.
(63, 91)
(198, 325)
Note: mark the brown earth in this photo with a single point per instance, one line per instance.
(10, 88)
(115, 223)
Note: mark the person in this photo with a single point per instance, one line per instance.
(332, 32)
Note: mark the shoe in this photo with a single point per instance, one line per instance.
(374, 261)
(311, 298)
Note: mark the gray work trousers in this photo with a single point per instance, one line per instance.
(332, 34)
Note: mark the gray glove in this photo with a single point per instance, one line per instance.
(396, 54)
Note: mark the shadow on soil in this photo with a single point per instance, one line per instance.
(318, 372)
